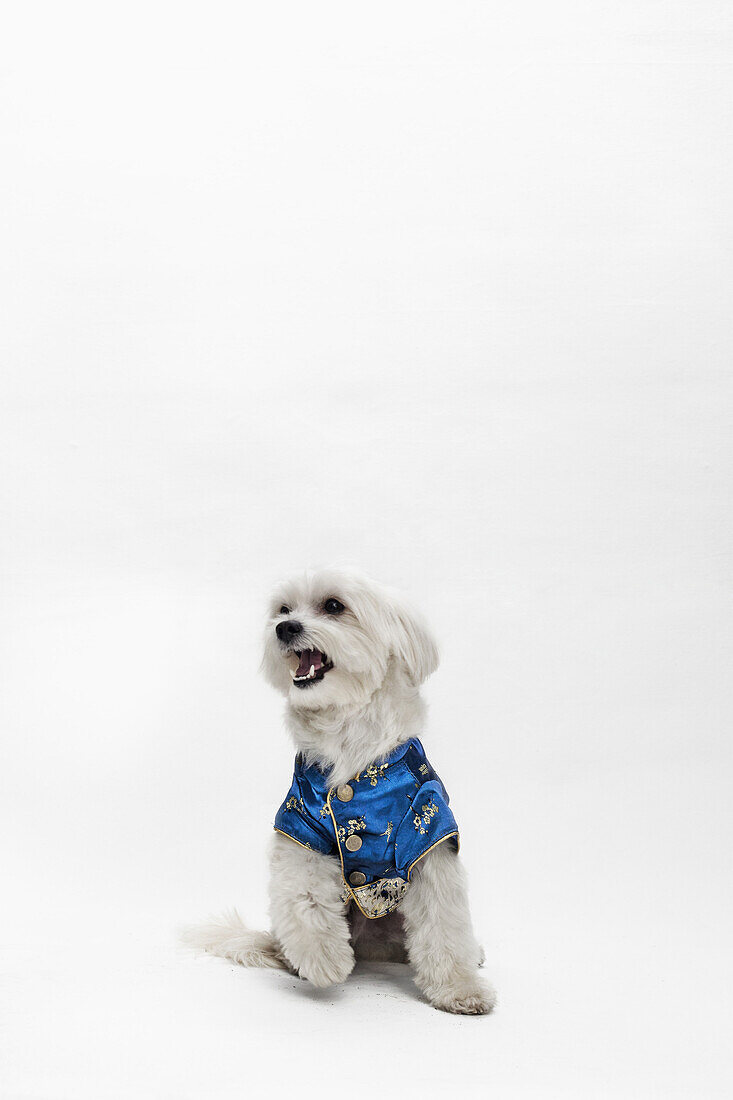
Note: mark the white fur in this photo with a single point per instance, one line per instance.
(365, 706)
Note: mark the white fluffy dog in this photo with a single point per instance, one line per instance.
(349, 657)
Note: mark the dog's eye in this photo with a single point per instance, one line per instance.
(333, 606)
(284, 610)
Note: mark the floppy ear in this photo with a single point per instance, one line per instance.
(412, 643)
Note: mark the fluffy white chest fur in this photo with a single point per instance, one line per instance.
(350, 656)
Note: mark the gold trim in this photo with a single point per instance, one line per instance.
(354, 890)
(437, 842)
(300, 842)
(341, 857)
(367, 886)
(369, 916)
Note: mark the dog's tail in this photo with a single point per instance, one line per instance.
(229, 937)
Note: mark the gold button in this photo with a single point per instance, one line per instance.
(353, 842)
(357, 878)
(345, 793)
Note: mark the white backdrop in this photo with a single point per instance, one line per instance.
(442, 290)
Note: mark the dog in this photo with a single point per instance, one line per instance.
(349, 656)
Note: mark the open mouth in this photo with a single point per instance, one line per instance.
(313, 666)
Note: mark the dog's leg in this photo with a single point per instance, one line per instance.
(440, 941)
(308, 915)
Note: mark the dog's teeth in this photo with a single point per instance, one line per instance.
(309, 675)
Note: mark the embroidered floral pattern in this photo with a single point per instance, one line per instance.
(373, 773)
(429, 810)
(362, 835)
(353, 825)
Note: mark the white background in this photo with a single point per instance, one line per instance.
(442, 290)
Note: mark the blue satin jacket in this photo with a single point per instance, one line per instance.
(379, 824)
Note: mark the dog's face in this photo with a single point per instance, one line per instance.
(331, 637)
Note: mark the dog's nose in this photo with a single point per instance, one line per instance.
(288, 630)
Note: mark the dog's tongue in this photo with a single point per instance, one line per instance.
(307, 658)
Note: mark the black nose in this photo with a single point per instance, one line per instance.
(288, 630)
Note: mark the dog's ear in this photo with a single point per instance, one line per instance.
(412, 643)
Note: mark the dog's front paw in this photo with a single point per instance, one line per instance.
(330, 966)
(476, 999)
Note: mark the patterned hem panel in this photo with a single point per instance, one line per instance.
(378, 898)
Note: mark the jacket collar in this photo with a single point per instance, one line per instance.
(319, 780)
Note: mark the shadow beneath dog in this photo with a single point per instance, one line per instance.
(385, 979)
(377, 979)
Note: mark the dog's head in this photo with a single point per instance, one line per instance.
(332, 636)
